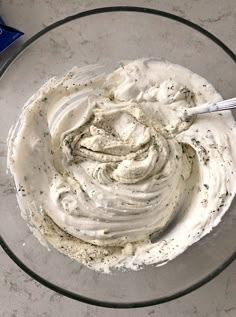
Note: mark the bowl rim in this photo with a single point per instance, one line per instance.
(4, 245)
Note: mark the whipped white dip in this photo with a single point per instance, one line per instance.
(103, 164)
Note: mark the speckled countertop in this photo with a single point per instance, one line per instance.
(20, 296)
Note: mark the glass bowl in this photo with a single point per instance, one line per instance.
(106, 36)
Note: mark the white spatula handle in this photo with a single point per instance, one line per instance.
(211, 107)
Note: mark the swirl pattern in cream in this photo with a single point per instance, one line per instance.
(108, 159)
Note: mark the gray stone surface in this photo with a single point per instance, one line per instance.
(20, 296)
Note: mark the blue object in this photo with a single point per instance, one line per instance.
(1, 21)
(8, 35)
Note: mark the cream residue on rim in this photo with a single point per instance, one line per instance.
(103, 164)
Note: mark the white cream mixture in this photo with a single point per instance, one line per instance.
(103, 164)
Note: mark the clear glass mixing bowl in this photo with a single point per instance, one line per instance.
(105, 36)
